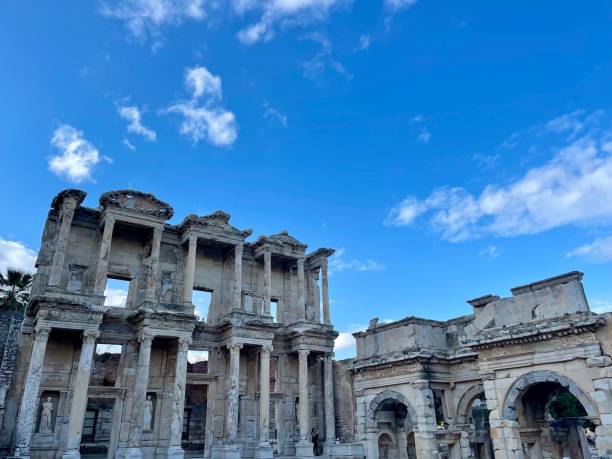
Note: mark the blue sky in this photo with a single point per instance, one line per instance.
(447, 149)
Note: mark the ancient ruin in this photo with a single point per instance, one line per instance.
(248, 371)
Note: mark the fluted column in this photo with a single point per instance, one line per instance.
(233, 393)
(152, 275)
(238, 276)
(300, 286)
(330, 415)
(267, 277)
(189, 274)
(178, 402)
(79, 395)
(303, 414)
(264, 394)
(59, 255)
(141, 383)
(29, 399)
(104, 254)
(325, 291)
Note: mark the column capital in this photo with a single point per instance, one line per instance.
(266, 348)
(324, 264)
(145, 338)
(42, 333)
(304, 352)
(109, 219)
(235, 347)
(91, 335)
(183, 343)
(192, 240)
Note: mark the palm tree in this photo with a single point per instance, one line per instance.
(15, 288)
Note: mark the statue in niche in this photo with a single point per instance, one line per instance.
(46, 416)
(148, 413)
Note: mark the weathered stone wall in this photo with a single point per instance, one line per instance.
(344, 401)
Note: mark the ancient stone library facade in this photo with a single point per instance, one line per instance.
(87, 373)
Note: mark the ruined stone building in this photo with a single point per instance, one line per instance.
(524, 377)
(267, 381)
(82, 375)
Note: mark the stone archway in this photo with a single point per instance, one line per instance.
(465, 402)
(387, 446)
(377, 402)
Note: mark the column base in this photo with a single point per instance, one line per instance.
(230, 451)
(132, 452)
(304, 449)
(71, 454)
(264, 451)
(174, 452)
(20, 453)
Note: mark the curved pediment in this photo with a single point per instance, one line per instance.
(216, 222)
(137, 201)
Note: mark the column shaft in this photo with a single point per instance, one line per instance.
(233, 393)
(189, 273)
(325, 292)
(264, 395)
(62, 243)
(238, 276)
(139, 396)
(303, 414)
(180, 379)
(267, 276)
(104, 255)
(152, 275)
(79, 395)
(29, 399)
(300, 286)
(330, 415)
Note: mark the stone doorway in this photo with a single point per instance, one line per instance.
(387, 449)
(97, 427)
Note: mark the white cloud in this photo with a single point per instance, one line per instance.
(364, 42)
(338, 263)
(281, 14)
(345, 342)
(146, 18)
(486, 162)
(598, 251)
(322, 60)
(398, 5)
(197, 356)
(424, 136)
(573, 188)
(77, 156)
(271, 114)
(115, 297)
(133, 116)
(491, 251)
(128, 144)
(14, 254)
(203, 117)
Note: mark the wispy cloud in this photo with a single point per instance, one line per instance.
(323, 60)
(491, 251)
(598, 251)
(486, 162)
(272, 114)
(133, 116)
(146, 19)
(77, 157)
(395, 6)
(423, 136)
(15, 254)
(573, 188)
(204, 118)
(339, 263)
(364, 42)
(128, 144)
(275, 15)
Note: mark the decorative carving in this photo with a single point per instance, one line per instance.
(137, 201)
(70, 193)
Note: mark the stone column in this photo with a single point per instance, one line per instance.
(264, 450)
(139, 395)
(267, 276)
(238, 276)
(330, 415)
(304, 446)
(152, 275)
(425, 430)
(300, 286)
(233, 393)
(29, 399)
(325, 291)
(104, 254)
(189, 274)
(180, 378)
(79, 396)
(59, 255)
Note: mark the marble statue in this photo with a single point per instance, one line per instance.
(148, 414)
(45, 416)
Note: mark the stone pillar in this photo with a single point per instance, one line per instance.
(104, 254)
(180, 378)
(152, 275)
(304, 446)
(29, 399)
(233, 393)
(59, 255)
(238, 276)
(189, 274)
(424, 433)
(330, 415)
(79, 396)
(325, 291)
(300, 286)
(139, 396)
(264, 449)
(267, 276)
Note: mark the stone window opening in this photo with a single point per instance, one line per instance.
(438, 395)
(274, 309)
(117, 291)
(106, 364)
(197, 361)
(202, 299)
(89, 426)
